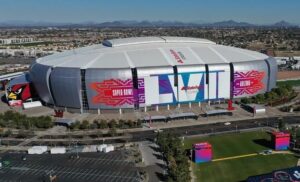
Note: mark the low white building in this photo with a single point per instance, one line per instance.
(37, 150)
(58, 150)
(16, 41)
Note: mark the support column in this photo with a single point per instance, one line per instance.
(178, 105)
(230, 107)
(168, 107)
(190, 105)
(120, 111)
(199, 104)
(99, 112)
(157, 109)
(145, 109)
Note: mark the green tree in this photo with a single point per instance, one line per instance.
(84, 125)
(75, 125)
(112, 123)
(96, 123)
(245, 100)
(281, 125)
(7, 133)
(121, 123)
(260, 98)
(271, 96)
(112, 131)
(103, 124)
(178, 165)
(130, 123)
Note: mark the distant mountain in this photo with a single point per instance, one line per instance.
(231, 23)
(133, 23)
(283, 24)
(22, 23)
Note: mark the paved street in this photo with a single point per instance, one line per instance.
(153, 160)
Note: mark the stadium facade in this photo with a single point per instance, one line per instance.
(141, 72)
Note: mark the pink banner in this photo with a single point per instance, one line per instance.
(248, 83)
(116, 92)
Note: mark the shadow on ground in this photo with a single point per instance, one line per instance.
(264, 143)
(155, 149)
(161, 177)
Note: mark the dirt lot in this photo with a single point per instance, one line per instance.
(282, 75)
(287, 53)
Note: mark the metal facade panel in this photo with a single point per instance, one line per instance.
(66, 87)
(109, 88)
(164, 92)
(207, 55)
(132, 41)
(172, 39)
(212, 85)
(147, 58)
(273, 72)
(221, 79)
(151, 90)
(234, 55)
(192, 83)
(250, 78)
(181, 55)
(39, 75)
(106, 60)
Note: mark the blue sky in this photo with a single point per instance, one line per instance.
(253, 11)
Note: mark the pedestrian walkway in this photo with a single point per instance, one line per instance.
(250, 155)
(234, 157)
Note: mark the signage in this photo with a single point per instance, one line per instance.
(117, 92)
(248, 83)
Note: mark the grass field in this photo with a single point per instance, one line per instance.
(239, 169)
(294, 83)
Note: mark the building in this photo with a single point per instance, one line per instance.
(138, 73)
(16, 41)
(281, 140)
(202, 152)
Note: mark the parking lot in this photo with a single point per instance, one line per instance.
(88, 167)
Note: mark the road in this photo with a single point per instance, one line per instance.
(218, 127)
(201, 129)
(153, 160)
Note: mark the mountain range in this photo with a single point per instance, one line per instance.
(229, 23)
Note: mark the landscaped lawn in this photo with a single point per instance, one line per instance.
(294, 83)
(232, 170)
(228, 145)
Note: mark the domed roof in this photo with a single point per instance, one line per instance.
(150, 52)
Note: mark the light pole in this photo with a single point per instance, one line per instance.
(77, 156)
(76, 148)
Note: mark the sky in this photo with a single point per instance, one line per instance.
(77, 11)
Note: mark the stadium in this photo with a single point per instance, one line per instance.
(142, 72)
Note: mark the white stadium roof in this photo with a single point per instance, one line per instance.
(148, 52)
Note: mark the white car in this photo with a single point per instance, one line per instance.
(227, 123)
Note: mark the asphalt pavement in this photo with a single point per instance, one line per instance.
(215, 128)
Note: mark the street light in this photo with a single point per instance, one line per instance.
(76, 147)
(77, 156)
